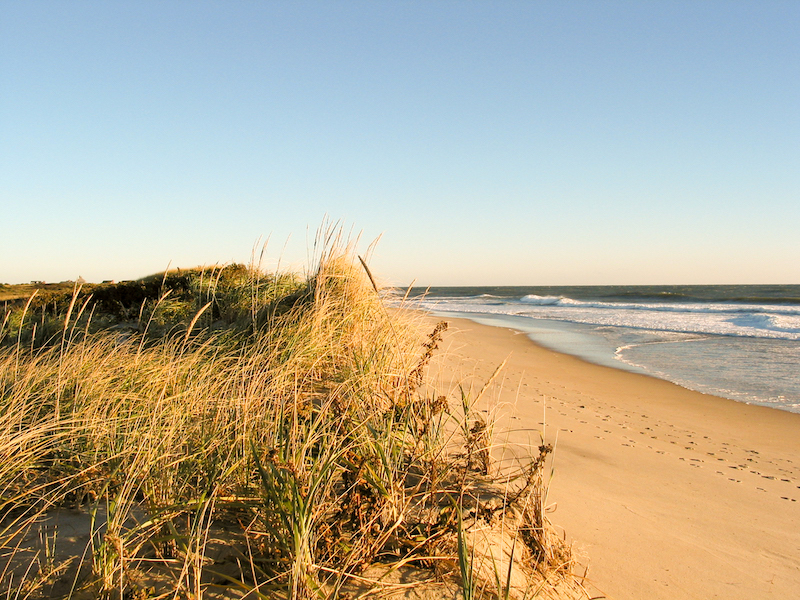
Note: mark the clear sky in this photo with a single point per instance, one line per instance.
(516, 143)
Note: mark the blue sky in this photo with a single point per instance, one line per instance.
(516, 143)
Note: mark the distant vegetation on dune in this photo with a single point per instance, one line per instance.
(232, 433)
(234, 296)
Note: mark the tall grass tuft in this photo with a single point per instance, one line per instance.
(229, 431)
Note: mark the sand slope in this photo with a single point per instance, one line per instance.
(667, 493)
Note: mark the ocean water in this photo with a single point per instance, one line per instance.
(739, 342)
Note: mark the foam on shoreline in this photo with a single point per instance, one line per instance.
(728, 366)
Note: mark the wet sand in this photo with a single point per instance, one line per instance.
(664, 492)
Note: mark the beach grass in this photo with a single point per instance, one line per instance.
(228, 432)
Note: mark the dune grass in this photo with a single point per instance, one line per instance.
(232, 433)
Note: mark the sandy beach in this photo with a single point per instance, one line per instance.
(663, 492)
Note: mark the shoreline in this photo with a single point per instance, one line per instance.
(665, 491)
(585, 348)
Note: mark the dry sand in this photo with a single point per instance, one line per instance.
(664, 492)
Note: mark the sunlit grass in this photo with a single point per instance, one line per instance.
(240, 433)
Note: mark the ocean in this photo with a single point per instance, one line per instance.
(736, 341)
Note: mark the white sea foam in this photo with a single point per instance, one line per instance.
(542, 300)
(750, 320)
(697, 307)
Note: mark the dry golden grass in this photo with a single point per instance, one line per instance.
(274, 444)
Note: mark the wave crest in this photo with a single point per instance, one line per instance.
(541, 300)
